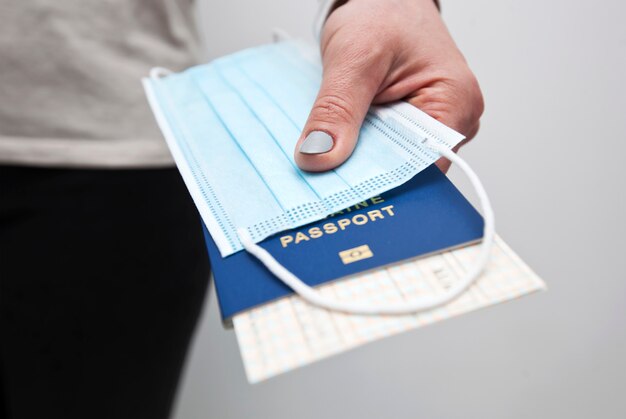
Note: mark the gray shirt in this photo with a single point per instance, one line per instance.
(70, 70)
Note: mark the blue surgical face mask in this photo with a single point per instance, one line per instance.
(232, 126)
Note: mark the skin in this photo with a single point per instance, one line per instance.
(376, 52)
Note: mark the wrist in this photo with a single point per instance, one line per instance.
(329, 6)
(332, 5)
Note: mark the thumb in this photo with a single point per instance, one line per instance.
(349, 84)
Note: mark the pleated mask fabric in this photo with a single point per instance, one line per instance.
(232, 126)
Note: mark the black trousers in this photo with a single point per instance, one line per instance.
(102, 278)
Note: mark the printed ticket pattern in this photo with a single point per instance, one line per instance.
(289, 333)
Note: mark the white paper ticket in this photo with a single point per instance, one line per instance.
(290, 333)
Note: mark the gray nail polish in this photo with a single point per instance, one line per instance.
(317, 142)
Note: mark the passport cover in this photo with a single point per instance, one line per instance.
(424, 215)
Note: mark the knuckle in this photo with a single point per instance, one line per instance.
(473, 94)
(333, 108)
(477, 96)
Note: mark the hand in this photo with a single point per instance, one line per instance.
(375, 52)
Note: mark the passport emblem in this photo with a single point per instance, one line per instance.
(355, 254)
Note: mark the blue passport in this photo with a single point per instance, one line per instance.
(425, 215)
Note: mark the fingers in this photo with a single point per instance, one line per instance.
(457, 105)
(351, 79)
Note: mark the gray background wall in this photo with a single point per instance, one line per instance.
(550, 152)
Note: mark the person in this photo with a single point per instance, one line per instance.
(103, 266)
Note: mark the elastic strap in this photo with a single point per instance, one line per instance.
(360, 307)
(158, 72)
(279, 35)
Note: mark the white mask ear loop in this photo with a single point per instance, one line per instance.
(279, 35)
(158, 72)
(358, 307)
